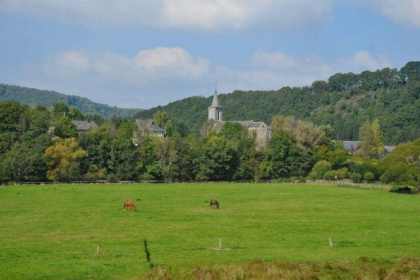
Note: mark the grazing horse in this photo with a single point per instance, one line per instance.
(130, 205)
(214, 203)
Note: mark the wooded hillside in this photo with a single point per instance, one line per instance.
(345, 102)
(33, 97)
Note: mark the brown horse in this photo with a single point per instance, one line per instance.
(214, 203)
(128, 204)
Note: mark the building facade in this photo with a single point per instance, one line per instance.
(261, 130)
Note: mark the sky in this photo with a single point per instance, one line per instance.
(146, 53)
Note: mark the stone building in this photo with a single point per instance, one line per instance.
(148, 127)
(260, 129)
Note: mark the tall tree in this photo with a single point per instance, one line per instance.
(63, 159)
(215, 159)
(370, 140)
(65, 128)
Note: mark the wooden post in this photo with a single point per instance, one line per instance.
(220, 243)
(331, 243)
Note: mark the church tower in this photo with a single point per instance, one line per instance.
(215, 110)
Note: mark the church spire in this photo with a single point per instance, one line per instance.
(215, 110)
(215, 102)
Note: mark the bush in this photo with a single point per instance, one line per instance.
(369, 176)
(330, 175)
(355, 177)
(319, 169)
(342, 173)
(403, 189)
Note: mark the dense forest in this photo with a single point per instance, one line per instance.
(33, 97)
(345, 102)
(40, 143)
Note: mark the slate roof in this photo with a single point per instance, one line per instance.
(249, 124)
(84, 125)
(215, 102)
(351, 146)
(149, 125)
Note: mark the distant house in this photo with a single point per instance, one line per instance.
(148, 127)
(352, 147)
(261, 130)
(83, 126)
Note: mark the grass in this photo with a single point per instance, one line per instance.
(82, 232)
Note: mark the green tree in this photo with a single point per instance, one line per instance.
(402, 165)
(75, 114)
(283, 159)
(65, 128)
(63, 160)
(215, 159)
(14, 122)
(60, 109)
(97, 143)
(371, 144)
(125, 155)
(319, 169)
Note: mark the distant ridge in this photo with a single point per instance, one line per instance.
(33, 97)
(345, 101)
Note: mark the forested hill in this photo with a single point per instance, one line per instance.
(34, 97)
(345, 101)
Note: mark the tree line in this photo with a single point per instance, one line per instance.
(42, 144)
(344, 101)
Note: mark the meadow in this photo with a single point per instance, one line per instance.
(75, 231)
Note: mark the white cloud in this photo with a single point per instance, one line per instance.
(273, 70)
(285, 15)
(146, 67)
(361, 61)
(403, 12)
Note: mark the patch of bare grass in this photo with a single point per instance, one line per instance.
(362, 268)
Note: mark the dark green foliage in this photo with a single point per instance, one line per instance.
(35, 97)
(345, 102)
(284, 159)
(216, 159)
(402, 165)
(64, 128)
(355, 177)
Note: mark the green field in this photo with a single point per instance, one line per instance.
(82, 232)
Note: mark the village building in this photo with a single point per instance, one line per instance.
(261, 130)
(352, 148)
(148, 127)
(84, 126)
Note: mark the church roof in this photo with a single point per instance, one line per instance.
(215, 102)
(84, 125)
(148, 124)
(249, 124)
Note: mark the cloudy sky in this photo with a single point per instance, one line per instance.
(145, 53)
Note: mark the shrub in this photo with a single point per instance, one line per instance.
(355, 177)
(330, 175)
(403, 189)
(369, 176)
(342, 173)
(320, 168)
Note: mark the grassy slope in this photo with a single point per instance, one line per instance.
(53, 232)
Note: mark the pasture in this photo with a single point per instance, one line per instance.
(82, 232)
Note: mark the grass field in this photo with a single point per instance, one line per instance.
(82, 232)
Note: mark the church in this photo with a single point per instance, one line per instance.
(260, 129)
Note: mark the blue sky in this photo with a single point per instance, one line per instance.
(145, 53)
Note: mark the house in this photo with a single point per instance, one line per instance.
(352, 148)
(260, 129)
(148, 127)
(83, 126)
